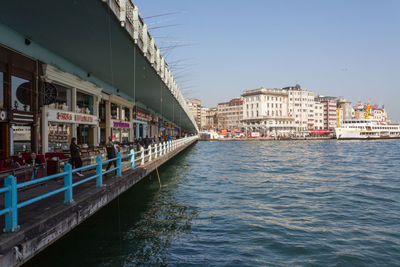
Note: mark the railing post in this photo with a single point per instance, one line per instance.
(160, 149)
(164, 148)
(10, 201)
(149, 148)
(132, 159)
(142, 155)
(99, 172)
(168, 147)
(68, 183)
(155, 151)
(119, 167)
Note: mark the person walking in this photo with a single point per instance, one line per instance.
(111, 153)
(76, 160)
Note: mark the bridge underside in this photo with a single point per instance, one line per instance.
(87, 34)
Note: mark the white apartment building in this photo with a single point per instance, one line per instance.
(266, 111)
(318, 116)
(301, 107)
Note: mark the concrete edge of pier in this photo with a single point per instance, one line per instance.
(57, 219)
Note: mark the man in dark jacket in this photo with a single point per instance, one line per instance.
(35, 162)
(111, 153)
(76, 160)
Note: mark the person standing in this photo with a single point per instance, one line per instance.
(76, 160)
(111, 153)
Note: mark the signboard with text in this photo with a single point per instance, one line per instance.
(71, 117)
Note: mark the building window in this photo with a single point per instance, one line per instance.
(125, 114)
(102, 111)
(114, 111)
(21, 94)
(63, 100)
(84, 103)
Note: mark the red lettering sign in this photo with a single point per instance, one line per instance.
(83, 118)
(64, 116)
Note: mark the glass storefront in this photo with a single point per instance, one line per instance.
(116, 134)
(21, 138)
(59, 136)
(21, 94)
(84, 103)
(63, 100)
(84, 135)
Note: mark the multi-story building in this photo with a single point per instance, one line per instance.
(195, 108)
(266, 111)
(203, 118)
(330, 111)
(229, 114)
(375, 112)
(301, 107)
(344, 111)
(318, 116)
(211, 118)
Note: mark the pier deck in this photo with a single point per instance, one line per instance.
(43, 222)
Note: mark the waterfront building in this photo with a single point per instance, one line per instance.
(196, 110)
(301, 108)
(71, 111)
(344, 110)
(330, 111)
(18, 102)
(318, 116)
(211, 118)
(266, 111)
(53, 91)
(230, 114)
(375, 112)
(203, 118)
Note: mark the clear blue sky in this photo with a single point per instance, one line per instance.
(348, 48)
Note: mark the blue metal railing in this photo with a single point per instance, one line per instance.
(10, 189)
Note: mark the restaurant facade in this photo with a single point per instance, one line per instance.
(71, 110)
(19, 82)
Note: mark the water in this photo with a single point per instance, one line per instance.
(322, 203)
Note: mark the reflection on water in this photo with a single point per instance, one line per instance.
(251, 204)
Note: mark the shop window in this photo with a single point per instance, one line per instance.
(21, 94)
(125, 114)
(85, 135)
(63, 100)
(102, 111)
(22, 138)
(84, 103)
(114, 111)
(1, 90)
(59, 137)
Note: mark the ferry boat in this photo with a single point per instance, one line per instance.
(366, 129)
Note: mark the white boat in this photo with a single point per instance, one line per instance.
(366, 129)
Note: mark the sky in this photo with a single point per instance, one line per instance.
(218, 48)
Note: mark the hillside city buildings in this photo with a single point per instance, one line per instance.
(283, 112)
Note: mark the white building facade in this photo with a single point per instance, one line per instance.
(301, 108)
(266, 111)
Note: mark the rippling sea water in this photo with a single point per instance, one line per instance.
(318, 203)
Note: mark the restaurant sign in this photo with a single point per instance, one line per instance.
(119, 124)
(62, 116)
